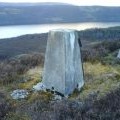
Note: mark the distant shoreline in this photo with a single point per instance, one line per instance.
(18, 30)
(57, 23)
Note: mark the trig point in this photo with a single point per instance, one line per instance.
(63, 71)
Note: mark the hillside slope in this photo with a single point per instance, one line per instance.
(22, 45)
(11, 47)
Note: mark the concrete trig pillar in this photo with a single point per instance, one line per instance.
(63, 71)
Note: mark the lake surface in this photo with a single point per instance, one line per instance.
(13, 31)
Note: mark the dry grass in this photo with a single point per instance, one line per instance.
(99, 79)
(35, 75)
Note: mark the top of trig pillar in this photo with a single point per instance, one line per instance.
(63, 30)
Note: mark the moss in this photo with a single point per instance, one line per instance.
(96, 69)
(45, 96)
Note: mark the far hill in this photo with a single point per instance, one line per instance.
(32, 13)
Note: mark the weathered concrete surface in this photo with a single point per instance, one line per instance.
(118, 56)
(63, 67)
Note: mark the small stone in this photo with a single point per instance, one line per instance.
(57, 97)
(19, 94)
(39, 87)
(118, 56)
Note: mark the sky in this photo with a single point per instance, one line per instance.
(75, 2)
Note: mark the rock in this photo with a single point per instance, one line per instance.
(39, 87)
(57, 97)
(63, 70)
(19, 94)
